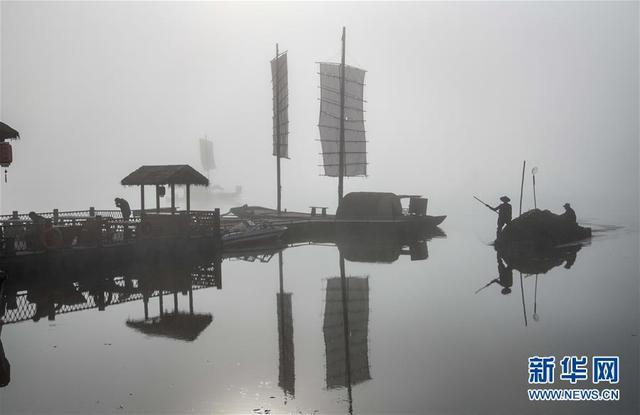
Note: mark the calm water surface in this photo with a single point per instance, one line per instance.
(422, 340)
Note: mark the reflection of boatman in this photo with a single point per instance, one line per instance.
(504, 213)
(505, 277)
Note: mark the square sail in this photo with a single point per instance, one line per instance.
(355, 151)
(280, 104)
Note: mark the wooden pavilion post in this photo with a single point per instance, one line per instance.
(173, 198)
(145, 300)
(188, 196)
(175, 301)
(157, 198)
(141, 199)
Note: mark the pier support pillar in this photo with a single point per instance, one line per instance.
(157, 199)
(188, 196)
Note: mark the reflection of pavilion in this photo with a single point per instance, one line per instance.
(49, 295)
(346, 331)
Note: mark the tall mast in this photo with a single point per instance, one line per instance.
(341, 156)
(277, 88)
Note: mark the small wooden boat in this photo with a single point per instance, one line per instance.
(542, 228)
(250, 234)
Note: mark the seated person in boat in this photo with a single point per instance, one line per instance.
(569, 214)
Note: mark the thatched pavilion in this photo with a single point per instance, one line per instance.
(170, 175)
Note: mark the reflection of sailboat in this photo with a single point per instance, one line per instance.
(539, 261)
(373, 245)
(287, 375)
(346, 331)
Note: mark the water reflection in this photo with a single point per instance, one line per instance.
(530, 260)
(5, 367)
(384, 247)
(346, 331)
(35, 296)
(286, 372)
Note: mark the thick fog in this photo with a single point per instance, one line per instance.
(458, 95)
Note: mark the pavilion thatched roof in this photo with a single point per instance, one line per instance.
(180, 326)
(168, 174)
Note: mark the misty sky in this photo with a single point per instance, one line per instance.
(458, 94)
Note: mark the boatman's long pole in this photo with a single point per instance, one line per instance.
(524, 163)
(341, 161)
(277, 114)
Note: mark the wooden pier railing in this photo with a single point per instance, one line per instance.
(89, 228)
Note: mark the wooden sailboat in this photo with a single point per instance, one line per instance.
(207, 196)
(344, 154)
(344, 149)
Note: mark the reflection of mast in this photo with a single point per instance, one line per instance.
(346, 327)
(286, 376)
(524, 307)
(536, 317)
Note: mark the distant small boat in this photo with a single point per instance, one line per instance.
(249, 234)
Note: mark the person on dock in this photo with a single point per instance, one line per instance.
(504, 214)
(569, 214)
(39, 225)
(37, 219)
(123, 205)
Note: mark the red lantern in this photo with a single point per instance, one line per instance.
(6, 155)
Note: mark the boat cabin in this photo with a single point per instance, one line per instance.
(379, 205)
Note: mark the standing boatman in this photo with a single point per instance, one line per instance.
(504, 214)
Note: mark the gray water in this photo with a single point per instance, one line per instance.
(432, 346)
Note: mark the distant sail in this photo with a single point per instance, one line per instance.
(354, 135)
(206, 154)
(286, 376)
(357, 310)
(280, 104)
